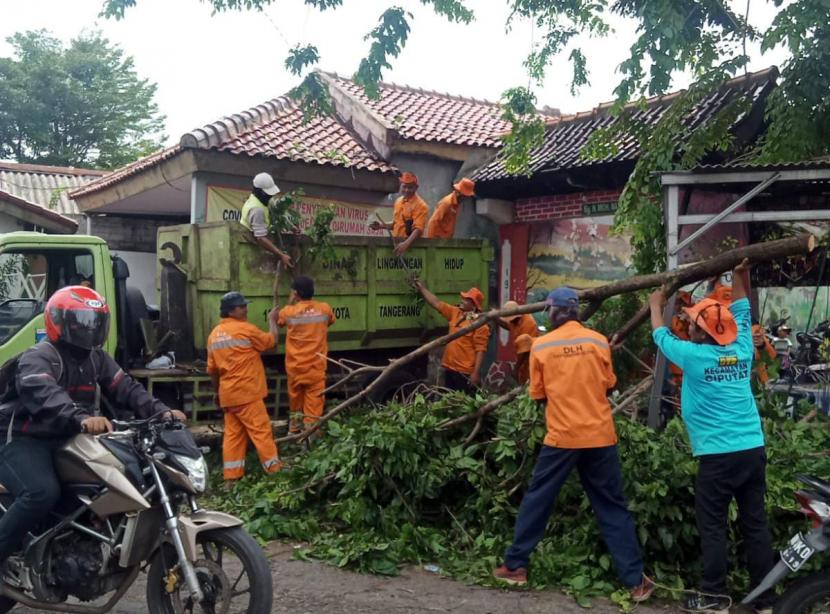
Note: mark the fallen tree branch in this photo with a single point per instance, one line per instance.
(485, 409)
(632, 394)
(671, 280)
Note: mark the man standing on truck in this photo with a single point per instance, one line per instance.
(464, 356)
(53, 397)
(235, 365)
(571, 372)
(409, 217)
(257, 219)
(306, 347)
(442, 222)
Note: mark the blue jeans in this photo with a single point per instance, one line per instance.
(599, 472)
(28, 472)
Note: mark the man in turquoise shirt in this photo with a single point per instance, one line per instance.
(725, 432)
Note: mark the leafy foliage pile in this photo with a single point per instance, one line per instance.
(387, 487)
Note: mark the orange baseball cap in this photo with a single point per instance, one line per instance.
(523, 343)
(715, 319)
(467, 187)
(409, 178)
(475, 295)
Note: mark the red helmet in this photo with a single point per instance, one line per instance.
(78, 316)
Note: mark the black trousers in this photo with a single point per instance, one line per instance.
(721, 478)
(28, 472)
(457, 381)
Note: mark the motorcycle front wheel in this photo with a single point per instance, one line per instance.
(232, 570)
(809, 594)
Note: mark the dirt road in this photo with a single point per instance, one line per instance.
(302, 587)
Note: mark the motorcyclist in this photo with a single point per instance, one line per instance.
(54, 396)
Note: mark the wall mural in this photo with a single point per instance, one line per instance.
(579, 252)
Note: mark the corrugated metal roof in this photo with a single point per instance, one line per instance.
(566, 136)
(46, 186)
(46, 218)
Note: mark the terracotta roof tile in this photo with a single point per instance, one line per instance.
(418, 114)
(126, 171)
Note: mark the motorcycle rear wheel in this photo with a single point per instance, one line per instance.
(226, 557)
(809, 594)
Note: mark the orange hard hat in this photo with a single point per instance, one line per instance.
(523, 343)
(715, 319)
(475, 295)
(467, 187)
(408, 178)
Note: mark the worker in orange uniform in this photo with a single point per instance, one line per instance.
(680, 329)
(463, 356)
(763, 350)
(522, 347)
(306, 346)
(571, 371)
(521, 324)
(442, 223)
(235, 365)
(409, 217)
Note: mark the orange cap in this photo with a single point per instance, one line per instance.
(523, 343)
(409, 178)
(715, 319)
(467, 187)
(475, 295)
(510, 305)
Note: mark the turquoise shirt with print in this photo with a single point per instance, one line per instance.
(716, 398)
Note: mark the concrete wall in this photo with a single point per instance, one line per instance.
(128, 233)
(10, 223)
(142, 273)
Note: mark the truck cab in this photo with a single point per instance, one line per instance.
(32, 267)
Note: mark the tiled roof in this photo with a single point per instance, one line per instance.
(46, 186)
(133, 168)
(567, 135)
(50, 218)
(425, 115)
(276, 129)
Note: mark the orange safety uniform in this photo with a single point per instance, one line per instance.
(442, 222)
(759, 367)
(234, 348)
(413, 210)
(525, 324)
(460, 354)
(306, 346)
(571, 368)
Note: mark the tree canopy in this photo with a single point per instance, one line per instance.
(77, 105)
(706, 38)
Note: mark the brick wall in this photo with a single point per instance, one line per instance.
(559, 206)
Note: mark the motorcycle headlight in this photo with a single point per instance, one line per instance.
(196, 469)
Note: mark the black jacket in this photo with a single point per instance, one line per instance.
(54, 391)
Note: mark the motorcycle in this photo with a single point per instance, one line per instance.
(812, 592)
(129, 501)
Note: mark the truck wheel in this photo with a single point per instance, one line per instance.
(398, 380)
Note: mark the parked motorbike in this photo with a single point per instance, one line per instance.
(812, 592)
(129, 500)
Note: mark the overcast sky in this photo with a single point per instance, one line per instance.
(209, 66)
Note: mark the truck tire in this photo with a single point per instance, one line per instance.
(398, 380)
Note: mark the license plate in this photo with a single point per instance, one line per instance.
(797, 552)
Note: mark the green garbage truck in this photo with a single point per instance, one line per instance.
(378, 315)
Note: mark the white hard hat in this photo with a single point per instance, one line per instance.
(265, 182)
